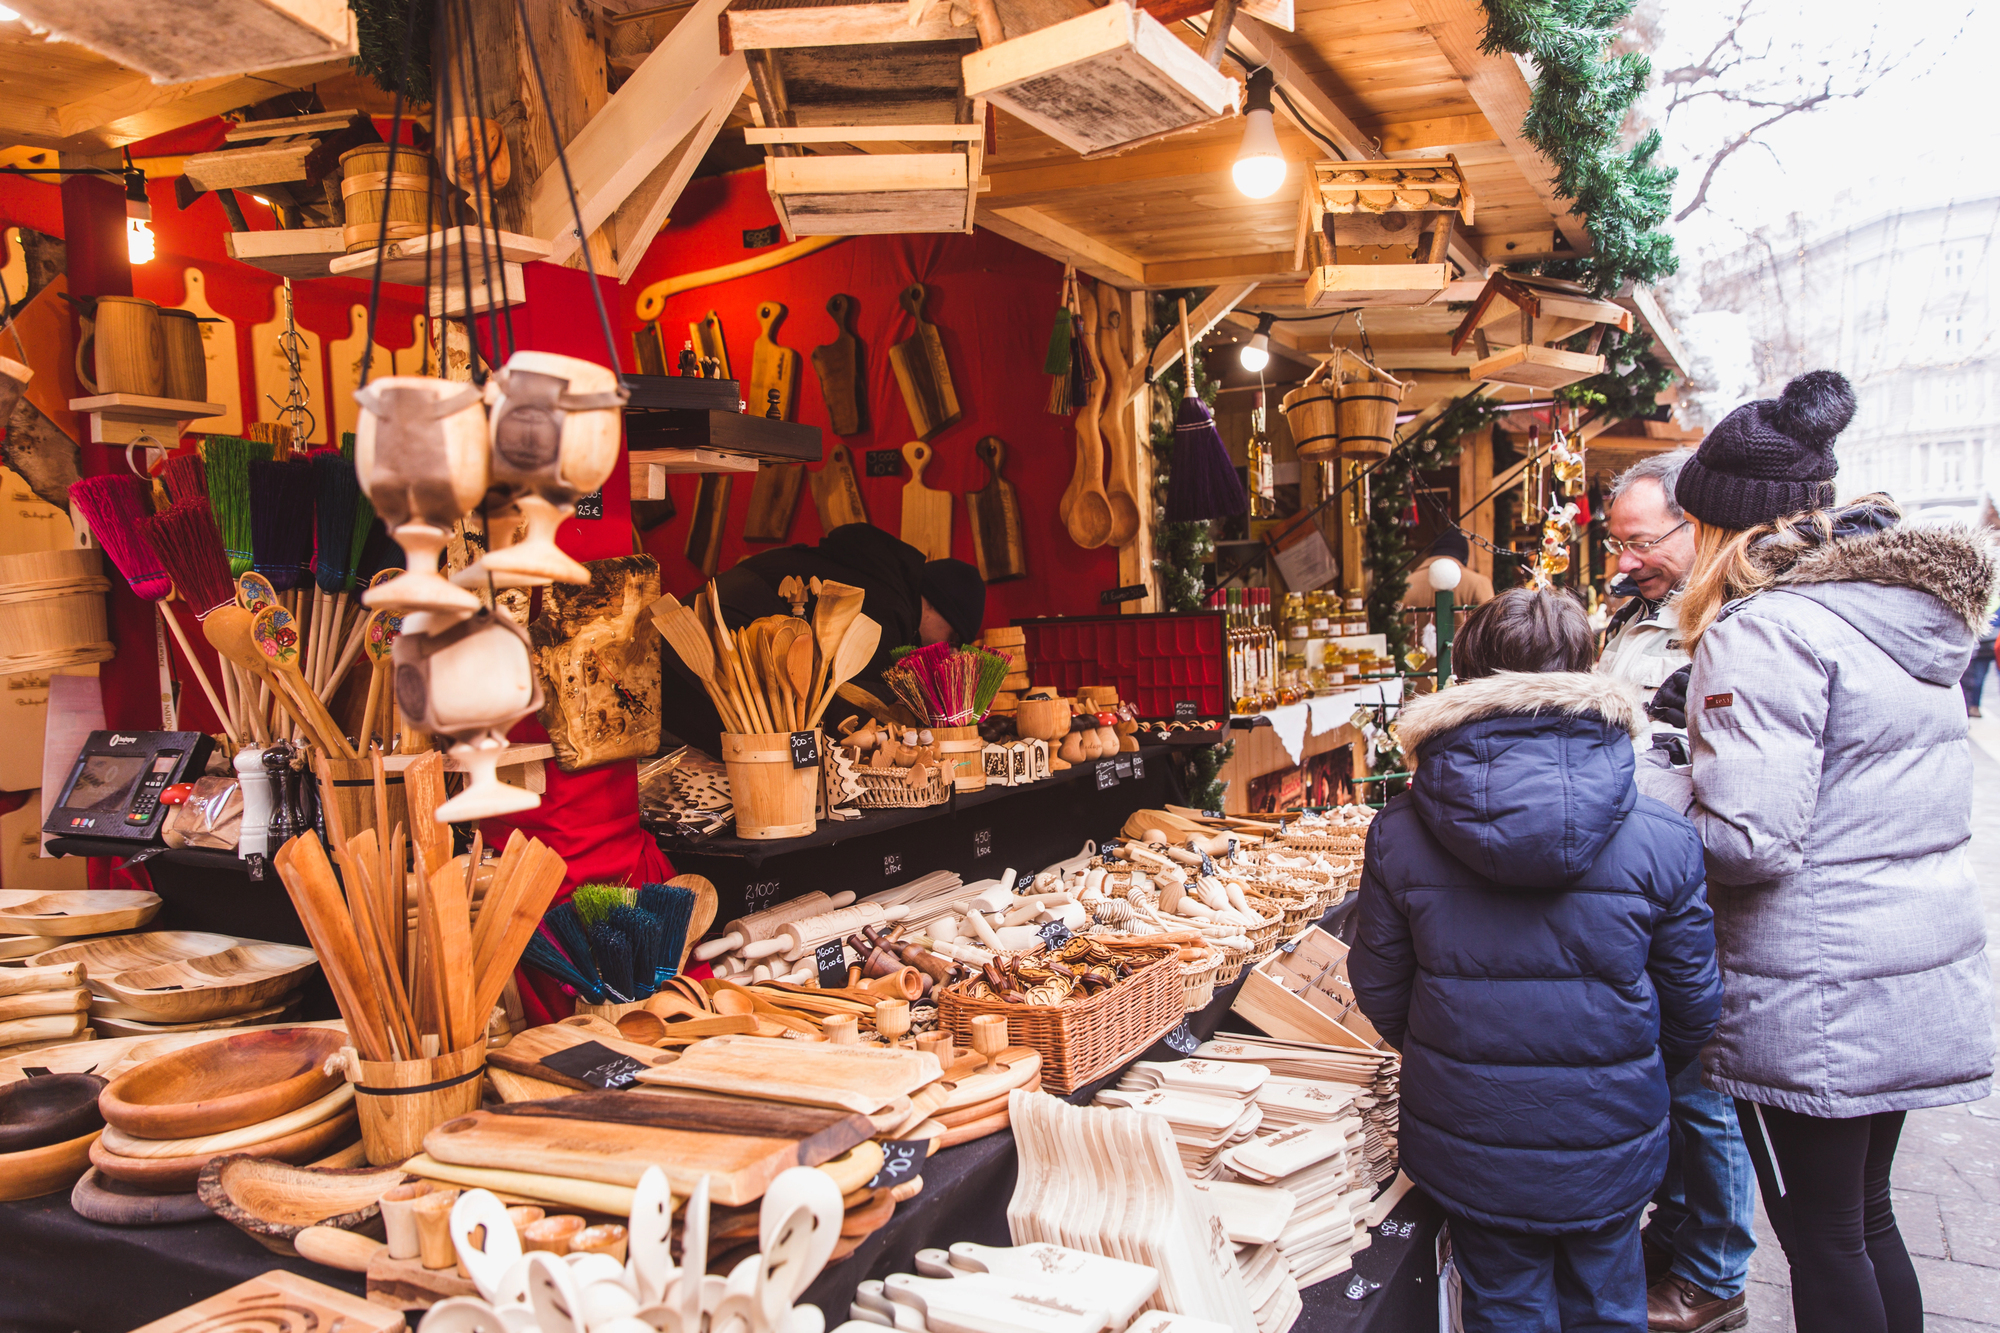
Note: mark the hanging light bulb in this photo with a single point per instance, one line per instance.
(139, 243)
(1259, 168)
(1256, 353)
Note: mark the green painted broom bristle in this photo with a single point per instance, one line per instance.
(227, 460)
(595, 901)
(364, 518)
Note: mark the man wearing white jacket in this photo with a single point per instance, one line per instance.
(1700, 1237)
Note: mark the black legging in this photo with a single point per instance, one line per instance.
(1829, 1203)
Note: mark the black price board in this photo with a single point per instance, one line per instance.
(596, 1064)
(1107, 776)
(902, 1162)
(892, 864)
(1186, 710)
(1182, 1039)
(1130, 593)
(805, 749)
(884, 463)
(1055, 934)
(1138, 767)
(758, 237)
(591, 505)
(831, 959)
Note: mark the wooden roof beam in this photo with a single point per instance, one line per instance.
(1065, 244)
(1499, 89)
(1047, 180)
(1200, 320)
(1638, 298)
(673, 94)
(1272, 266)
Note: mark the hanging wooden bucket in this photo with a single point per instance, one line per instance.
(125, 337)
(52, 611)
(772, 799)
(184, 363)
(1367, 417)
(960, 748)
(400, 1101)
(1310, 410)
(367, 190)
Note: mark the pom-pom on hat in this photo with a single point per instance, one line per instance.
(1770, 457)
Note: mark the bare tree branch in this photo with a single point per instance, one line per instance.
(1749, 136)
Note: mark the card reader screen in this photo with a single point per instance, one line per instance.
(105, 782)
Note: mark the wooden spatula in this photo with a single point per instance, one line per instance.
(857, 647)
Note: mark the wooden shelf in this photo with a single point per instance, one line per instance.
(126, 418)
(404, 261)
(306, 252)
(652, 467)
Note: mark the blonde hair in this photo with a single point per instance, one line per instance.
(1733, 563)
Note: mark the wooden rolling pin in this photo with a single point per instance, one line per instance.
(762, 925)
(796, 939)
(39, 1004)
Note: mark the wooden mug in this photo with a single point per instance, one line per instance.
(130, 356)
(184, 362)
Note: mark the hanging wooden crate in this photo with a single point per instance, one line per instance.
(1376, 233)
(179, 40)
(1549, 310)
(875, 194)
(1101, 82)
(1537, 367)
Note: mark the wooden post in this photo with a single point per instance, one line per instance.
(1135, 558)
(1475, 478)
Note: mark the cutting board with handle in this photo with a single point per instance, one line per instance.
(836, 493)
(998, 542)
(774, 370)
(526, 1053)
(706, 335)
(1120, 440)
(711, 509)
(774, 500)
(926, 512)
(854, 1078)
(1085, 509)
(921, 371)
(612, 1137)
(838, 365)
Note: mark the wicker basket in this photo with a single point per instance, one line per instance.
(1085, 1040)
(889, 788)
(1231, 966)
(1342, 843)
(1198, 979)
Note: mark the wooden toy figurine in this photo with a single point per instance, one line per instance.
(420, 451)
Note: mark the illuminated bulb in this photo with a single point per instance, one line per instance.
(7, 15)
(1259, 168)
(138, 241)
(1445, 573)
(1256, 353)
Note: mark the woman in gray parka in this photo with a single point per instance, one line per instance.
(1832, 791)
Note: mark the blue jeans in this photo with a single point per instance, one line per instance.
(1575, 1282)
(1704, 1208)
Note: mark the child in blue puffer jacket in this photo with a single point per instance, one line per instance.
(1534, 938)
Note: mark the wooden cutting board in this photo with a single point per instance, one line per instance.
(836, 493)
(706, 334)
(926, 512)
(856, 1078)
(838, 365)
(711, 508)
(525, 1053)
(774, 499)
(612, 1137)
(998, 542)
(921, 371)
(774, 370)
(280, 1302)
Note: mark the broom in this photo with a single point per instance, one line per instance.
(185, 477)
(113, 505)
(1204, 484)
(281, 496)
(378, 552)
(227, 461)
(336, 493)
(190, 547)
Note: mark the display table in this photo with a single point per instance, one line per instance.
(1278, 739)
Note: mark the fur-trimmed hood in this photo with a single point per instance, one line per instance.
(1576, 693)
(1950, 562)
(1525, 776)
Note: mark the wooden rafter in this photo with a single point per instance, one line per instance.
(1041, 233)
(639, 219)
(1200, 320)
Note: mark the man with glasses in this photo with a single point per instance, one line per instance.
(1699, 1239)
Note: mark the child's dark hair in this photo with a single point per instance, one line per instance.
(1524, 629)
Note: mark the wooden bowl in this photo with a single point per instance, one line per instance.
(39, 1171)
(120, 953)
(177, 1175)
(273, 1201)
(270, 1017)
(68, 913)
(247, 976)
(113, 1203)
(55, 1108)
(224, 1084)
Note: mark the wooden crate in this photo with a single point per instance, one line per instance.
(1104, 81)
(874, 194)
(1342, 285)
(179, 40)
(1304, 995)
(1537, 367)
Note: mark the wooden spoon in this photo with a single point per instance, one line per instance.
(779, 669)
(799, 669)
(1117, 423)
(857, 647)
(383, 627)
(228, 630)
(703, 916)
(276, 631)
(1089, 518)
(682, 630)
(839, 604)
(730, 662)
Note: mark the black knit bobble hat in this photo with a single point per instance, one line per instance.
(1770, 457)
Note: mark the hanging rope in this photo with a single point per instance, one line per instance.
(382, 233)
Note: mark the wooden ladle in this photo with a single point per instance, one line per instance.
(228, 631)
(1114, 359)
(839, 604)
(276, 633)
(1089, 518)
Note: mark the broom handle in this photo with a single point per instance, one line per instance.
(355, 639)
(221, 713)
(1187, 351)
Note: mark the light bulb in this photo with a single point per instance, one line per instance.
(138, 241)
(1445, 573)
(1252, 357)
(1259, 168)
(7, 15)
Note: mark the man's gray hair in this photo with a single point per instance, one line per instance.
(1664, 468)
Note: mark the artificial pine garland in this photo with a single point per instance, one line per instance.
(1180, 550)
(1575, 117)
(382, 28)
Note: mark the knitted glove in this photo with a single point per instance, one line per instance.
(1670, 700)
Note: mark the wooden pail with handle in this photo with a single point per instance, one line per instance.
(124, 346)
(368, 190)
(184, 365)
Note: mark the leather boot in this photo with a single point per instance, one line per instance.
(1676, 1305)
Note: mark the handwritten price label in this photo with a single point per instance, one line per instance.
(902, 1161)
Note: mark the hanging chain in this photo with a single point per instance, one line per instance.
(294, 409)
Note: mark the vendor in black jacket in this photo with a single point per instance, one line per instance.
(914, 601)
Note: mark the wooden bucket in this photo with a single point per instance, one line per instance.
(184, 363)
(772, 799)
(1367, 416)
(960, 748)
(52, 610)
(353, 784)
(1311, 411)
(400, 1101)
(129, 356)
(367, 190)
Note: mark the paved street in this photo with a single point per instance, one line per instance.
(1948, 1166)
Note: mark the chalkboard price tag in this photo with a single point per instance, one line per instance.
(805, 750)
(1186, 710)
(1131, 592)
(591, 505)
(892, 864)
(1138, 767)
(885, 463)
(1055, 934)
(1124, 768)
(1107, 776)
(831, 959)
(902, 1162)
(597, 1064)
(1182, 1039)
(982, 842)
(759, 237)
